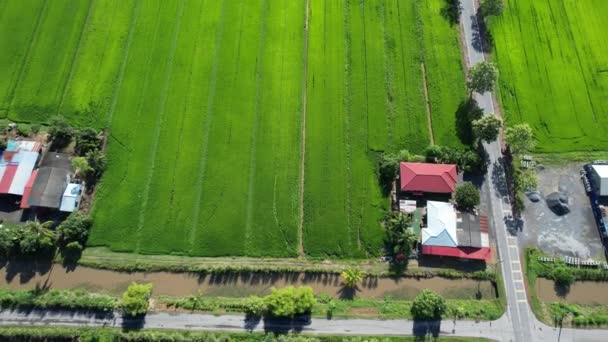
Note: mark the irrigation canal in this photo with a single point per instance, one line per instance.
(27, 276)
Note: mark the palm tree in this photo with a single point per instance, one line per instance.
(351, 277)
(36, 236)
(399, 236)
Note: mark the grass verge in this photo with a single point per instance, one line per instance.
(52, 334)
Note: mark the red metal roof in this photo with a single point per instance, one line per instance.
(7, 178)
(458, 252)
(425, 177)
(28, 189)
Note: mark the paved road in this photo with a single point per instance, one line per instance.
(500, 329)
(518, 310)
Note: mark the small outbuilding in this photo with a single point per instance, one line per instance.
(71, 198)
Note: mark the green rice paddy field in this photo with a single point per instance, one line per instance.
(554, 71)
(216, 109)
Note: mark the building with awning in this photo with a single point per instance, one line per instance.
(17, 163)
(451, 233)
(51, 181)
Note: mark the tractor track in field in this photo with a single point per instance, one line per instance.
(348, 112)
(123, 65)
(26, 58)
(256, 126)
(160, 119)
(427, 102)
(73, 63)
(198, 188)
(178, 152)
(303, 150)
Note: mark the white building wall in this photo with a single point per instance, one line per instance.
(600, 176)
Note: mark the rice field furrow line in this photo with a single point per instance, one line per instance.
(123, 66)
(348, 113)
(75, 55)
(581, 67)
(183, 111)
(256, 125)
(403, 66)
(303, 147)
(198, 188)
(32, 42)
(160, 119)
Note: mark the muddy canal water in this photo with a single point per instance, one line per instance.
(581, 292)
(182, 284)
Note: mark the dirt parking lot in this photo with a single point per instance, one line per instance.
(574, 234)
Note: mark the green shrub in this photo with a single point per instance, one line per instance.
(255, 306)
(24, 130)
(428, 305)
(290, 301)
(135, 300)
(562, 276)
(60, 132)
(75, 228)
(56, 299)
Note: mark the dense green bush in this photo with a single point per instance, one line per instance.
(135, 301)
(56, 299)
(428, 305)
(87, 140)
(75, 228)
(60, 132)
(290, 301)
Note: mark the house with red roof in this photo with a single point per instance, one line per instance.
(427, 178)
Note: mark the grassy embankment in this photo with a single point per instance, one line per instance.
(389, 308)
(563, 313)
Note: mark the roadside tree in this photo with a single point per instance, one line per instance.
(135, 301)
(482, 78)
(491, 7)
(525, 179)
(428, 306)
(487, 128)
(520, 139)
(467, 196)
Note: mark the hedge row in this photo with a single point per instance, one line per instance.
(56, 299)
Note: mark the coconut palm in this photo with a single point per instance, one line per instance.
(36, 236)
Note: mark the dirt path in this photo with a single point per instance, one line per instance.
(427, 102)
(303, 152)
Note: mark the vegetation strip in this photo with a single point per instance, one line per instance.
(60, 334)
(428, 104)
